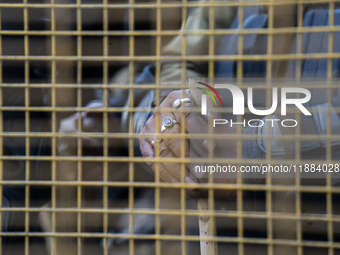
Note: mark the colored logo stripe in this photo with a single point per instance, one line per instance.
(208, 92)
(213, 90)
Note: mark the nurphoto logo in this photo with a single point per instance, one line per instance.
(239, 99)
(204, 97)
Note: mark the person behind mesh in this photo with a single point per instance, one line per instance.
(226, 17)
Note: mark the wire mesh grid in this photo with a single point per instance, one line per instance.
(85, 190)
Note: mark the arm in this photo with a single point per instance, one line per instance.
(196, 45)
(171, 72)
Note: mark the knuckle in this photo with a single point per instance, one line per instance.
(146, 153)
(188, 115)
(179, 113)
(151, 163)
(173, 142)
(175, 94)
(175, 129)
(163, 151)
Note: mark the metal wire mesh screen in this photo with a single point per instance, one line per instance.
(83, 80)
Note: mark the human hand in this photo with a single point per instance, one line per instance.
(171, 147)
(91, 121)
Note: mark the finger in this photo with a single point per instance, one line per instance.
(146, 148)
(95, 104)
(225, 194)
(175, 169)
(94, 114)
(69, 124)
(195, 124)
(148, 152)
(169, 171)
(221, 193)
(92, 120)
(195, 193)
(91, 124)
(191, 192)
(174, 143)
(196, 149)
(199, 148)
(200, 171)
(198, 124)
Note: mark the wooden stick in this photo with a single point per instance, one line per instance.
(206, 225)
